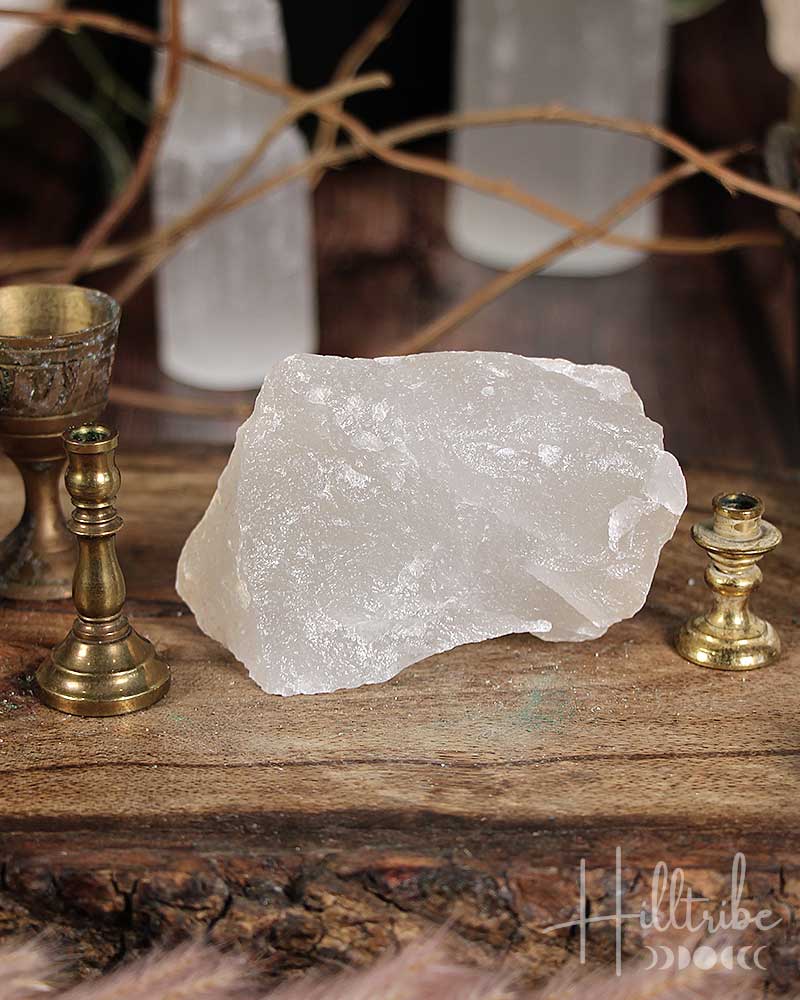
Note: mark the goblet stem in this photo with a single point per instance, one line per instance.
(37, 558)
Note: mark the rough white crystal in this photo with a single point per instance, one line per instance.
(374, 512)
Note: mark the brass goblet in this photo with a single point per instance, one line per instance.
(57, 346)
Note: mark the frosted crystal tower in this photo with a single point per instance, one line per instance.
(240, 294)
(607, 58)
(374, 512)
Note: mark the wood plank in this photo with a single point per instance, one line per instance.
(325, 828)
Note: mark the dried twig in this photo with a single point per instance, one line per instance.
(155, 247)
(434, 331)
(74, 20)
(205, 209)
(732, 180)
(508, 191)
(374, 34)
(127, 198)
(347, 154)
(381, 146)
(505, 190)
(32, 261)
(588, 234)
(182, 227)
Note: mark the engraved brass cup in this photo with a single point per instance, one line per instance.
(57, 346)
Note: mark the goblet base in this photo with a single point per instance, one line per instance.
(27, 574)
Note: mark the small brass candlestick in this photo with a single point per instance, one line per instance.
(103, 667)
(729, 636)
(56, 351)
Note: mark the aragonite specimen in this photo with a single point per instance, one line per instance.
(374, 512)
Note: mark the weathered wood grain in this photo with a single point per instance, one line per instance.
(466, 789)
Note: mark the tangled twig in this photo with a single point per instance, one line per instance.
(434, 331)
(205, 209)
(731, 179)
(155, 247)
(127, 198)
(377, 31)
(161, 243)
(46, 258)
(429, 165)
(74, 20)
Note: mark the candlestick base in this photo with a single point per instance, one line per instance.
(103, 678)
(698, 642)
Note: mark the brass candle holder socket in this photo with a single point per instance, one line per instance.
(729, 636)
(103, 667)
(57, 346)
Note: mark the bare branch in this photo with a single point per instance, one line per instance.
(124, 202)
(353, 59)
(433, 332)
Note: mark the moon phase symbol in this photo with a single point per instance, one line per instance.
(669, 957)
(705, 957)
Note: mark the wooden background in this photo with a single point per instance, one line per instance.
(710, 343)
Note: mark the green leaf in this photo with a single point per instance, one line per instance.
(106, 79)
(116, 161)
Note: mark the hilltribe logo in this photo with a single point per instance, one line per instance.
(674, 907)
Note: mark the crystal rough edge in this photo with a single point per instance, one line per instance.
(375, 512)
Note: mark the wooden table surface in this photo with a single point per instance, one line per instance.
(325, 828)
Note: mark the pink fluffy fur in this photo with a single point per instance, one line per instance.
(420, 971)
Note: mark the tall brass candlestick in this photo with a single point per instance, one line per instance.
(103, 667)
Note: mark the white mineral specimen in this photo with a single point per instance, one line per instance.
(374, 512)
(241, 293)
